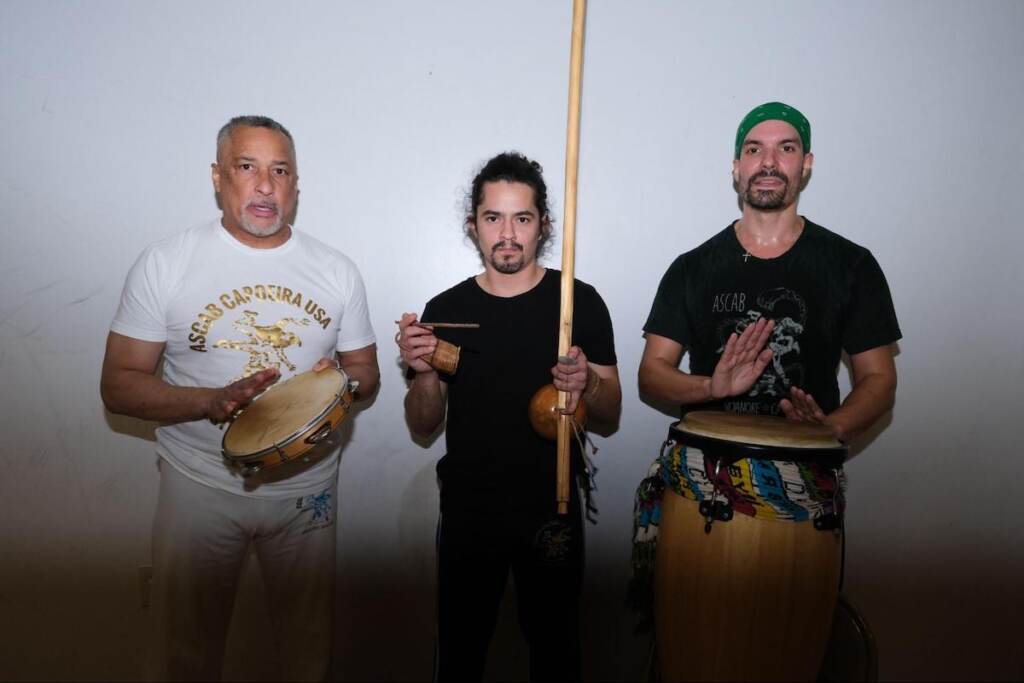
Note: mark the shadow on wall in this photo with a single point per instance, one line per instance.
(384, 604)
(928, 615)
(130, 426)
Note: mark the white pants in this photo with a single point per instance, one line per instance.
(200, 539)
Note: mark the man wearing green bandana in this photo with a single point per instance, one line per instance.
(764, 309)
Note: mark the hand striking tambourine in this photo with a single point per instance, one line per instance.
(288, 420)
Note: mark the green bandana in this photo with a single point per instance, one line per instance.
(774, 111)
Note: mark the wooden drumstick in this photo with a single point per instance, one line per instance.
(572, 156)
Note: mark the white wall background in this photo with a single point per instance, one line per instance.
(108, 116)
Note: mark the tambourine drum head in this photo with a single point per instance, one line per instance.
(284, 410)
(761, 430)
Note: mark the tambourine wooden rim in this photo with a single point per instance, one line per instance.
(300, 440)
(808, 442)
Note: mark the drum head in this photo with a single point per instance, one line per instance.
(761, 430)
(732, 436)
(286, 409)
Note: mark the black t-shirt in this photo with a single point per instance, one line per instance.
(825, 294)
(494, 458)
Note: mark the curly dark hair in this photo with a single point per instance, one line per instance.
(511, 167)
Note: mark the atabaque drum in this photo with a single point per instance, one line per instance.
(741, 597)
(288, 420)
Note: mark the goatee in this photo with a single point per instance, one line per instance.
(767, 199)
(507, 267)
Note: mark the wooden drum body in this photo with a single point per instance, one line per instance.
(288, 421)
(752, 600)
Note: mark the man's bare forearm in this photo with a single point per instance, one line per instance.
(603, 398)
(147, 397)
(606, 403)
(665, 382)
(368, 376)
(425, 403)
(870, 399)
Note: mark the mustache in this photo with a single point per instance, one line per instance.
(509, 244)
(767, 173)
(263, 203)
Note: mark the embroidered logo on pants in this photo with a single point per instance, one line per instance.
(321, 505)
(552, 542)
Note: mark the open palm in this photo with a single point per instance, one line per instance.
(743, 360)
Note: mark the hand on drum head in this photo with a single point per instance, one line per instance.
(801, 407)
(415, 343)
(743, 360)
(571, 377)
(237, 395)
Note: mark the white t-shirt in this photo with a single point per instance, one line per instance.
(204, 294)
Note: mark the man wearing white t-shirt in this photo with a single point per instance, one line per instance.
(193, 301)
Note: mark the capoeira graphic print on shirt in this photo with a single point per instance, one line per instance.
(264, 341)
(265, 344)
(788, 310)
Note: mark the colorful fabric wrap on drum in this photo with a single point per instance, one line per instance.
(778, 490)
(768, 489)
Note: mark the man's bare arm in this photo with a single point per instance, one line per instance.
(425, 400)
(873, 394)
(603, 397)
(660, 377)
(743, 359)
(129, 386)
(361, 365)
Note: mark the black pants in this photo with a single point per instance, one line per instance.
(475, 552)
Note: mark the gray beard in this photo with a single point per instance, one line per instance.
(257, 231)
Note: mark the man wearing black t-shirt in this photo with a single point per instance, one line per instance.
(498, 508)
(765, 308)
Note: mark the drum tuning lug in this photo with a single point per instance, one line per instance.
(827, 522)
(250, 470)
(705, 511)
(712, 511)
